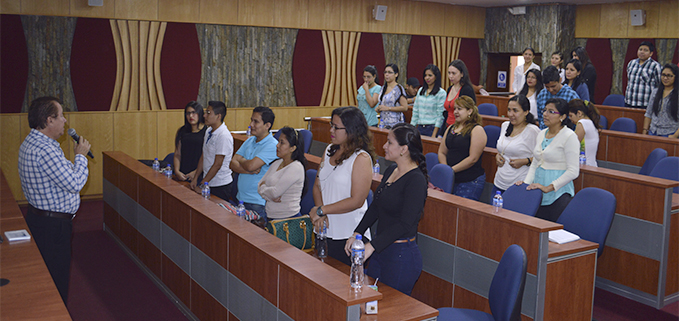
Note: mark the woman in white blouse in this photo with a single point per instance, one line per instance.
(520, 70)
(283, 184)
(515, 145)
(585, 116)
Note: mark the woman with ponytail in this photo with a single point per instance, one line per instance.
(585, 116)
(398, 204)
(555, 161)
(515, 145)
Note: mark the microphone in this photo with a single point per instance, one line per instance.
(71, 132)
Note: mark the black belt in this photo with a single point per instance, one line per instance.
(39, 212)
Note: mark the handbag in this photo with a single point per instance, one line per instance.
(297, 231)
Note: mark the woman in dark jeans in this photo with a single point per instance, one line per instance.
(398, 205)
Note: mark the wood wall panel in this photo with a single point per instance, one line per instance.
(253, 268)
(168, 123)
(180, 222)
(10, 7)
(12, 137)
(341, 49)
(257, 13)
(219, 11)
(136, 9)
(176, 280)
(668, 13)
(208, 236)
(111, 219)
(98, 129)
(652, 23)
(178, 10)
(476, 22)
(291, 13)
(405, 17)
(587, 21)
(444, 51)
(650, 209)
(150, 197)
(637, 272)
(356, 15)
(465, 299)
(135, 134)
(294, 289)
(204, 306)
(149, 254)
(432, 19)
(560, 298)
(442, 227)
(456, 25)
(614, 20)
(129, 235)
(323, 15)
(46, 7)
(422, 291)
(80, 8)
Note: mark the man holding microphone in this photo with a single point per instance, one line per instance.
(51, 184)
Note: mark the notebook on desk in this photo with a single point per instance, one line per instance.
(562, 236)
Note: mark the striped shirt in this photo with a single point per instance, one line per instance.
(565, 93)
(428, 109)
(49, 181)
(641, 80)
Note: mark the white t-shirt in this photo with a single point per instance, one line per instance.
(591, 141)
(533, 104)
(286, 183)
(335, 186)
(517, 147)
(220, 143)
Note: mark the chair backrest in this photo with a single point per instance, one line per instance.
(431, 159)
(277, 134)
(603, 122)
(653, 158)
(307, 137)
(667, 168)
(516, 198)
(384, 164)
(488, 109)
(624, 124)
(369, 199)
(443, 177)
(589, 215)
(506, 289)
(307, 201)
(614, 100)
(168, 160)
(493, 134)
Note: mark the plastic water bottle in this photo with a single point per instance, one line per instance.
(205, 191)
(240, 210)
(156, 165)
(583, 158)
(357, 254)
(497, 201)
(322, 242)
(376, 168)
(380, 124)
(168, 171)
(249, 132)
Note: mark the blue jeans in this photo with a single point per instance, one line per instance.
(426, 130)
(260, 209)
(398, 266)
(471, 190)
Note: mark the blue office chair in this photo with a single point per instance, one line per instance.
(624, 124)
(589, 215)
(277, 134)
(443, 177)
(384, 164)
(505, 294)
(488, 109)
(614, 100)
(516, 198)
(369, 199)
(307, 137)
(493, 134)
(667, 168)
(603, 122)
(168, 160)
(307, 202)
(431, 159)
(653, 158)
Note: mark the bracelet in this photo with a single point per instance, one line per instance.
(529, 162)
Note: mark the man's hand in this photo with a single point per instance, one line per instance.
(82, 147)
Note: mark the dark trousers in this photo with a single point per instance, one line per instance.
(222, 192)
(425, 130)
(53, 237)
(398, 266)
(552, 211)
(336, 251)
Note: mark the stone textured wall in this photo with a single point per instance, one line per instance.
(618, 52)
(396, 51)
(545, 28)
(246, 66)
(664, 50)
(49, 42)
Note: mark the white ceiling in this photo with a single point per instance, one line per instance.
(514, 3)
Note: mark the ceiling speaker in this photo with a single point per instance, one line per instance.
(637, 17)
(380, 12)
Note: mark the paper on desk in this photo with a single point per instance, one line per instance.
(18, 235)
(562, 236)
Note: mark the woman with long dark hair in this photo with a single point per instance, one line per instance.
(520, 70)
(585, 116)
(344, 179)
(662, 115)
(515, 145)
(428, 108)
(532, 88)
(557, 61)
(574, 79)
(188, 142)
(555, 161)
(460, 85)
(283, 184)
(588, 71)
(368, 93)
(392, 101)
(398, 205)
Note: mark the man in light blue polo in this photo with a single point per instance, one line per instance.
(252, 159)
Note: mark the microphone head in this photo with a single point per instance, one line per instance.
(71, 132)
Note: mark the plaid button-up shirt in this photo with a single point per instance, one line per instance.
(641, 80)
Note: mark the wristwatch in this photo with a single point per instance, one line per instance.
(319, 212)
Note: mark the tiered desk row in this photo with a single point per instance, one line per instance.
(30, 293)
(222, 267)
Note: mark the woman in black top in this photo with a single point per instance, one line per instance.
(398, 204)
(189, 142)
(588, 74)
(462, 148)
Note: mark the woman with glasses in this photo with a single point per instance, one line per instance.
(555, 161)
(367, 95)
(344, 179)
(662, 114)
(188, 142)
(398, 204)
(392, 101)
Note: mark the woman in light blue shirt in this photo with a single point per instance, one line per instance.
(428, 108)
(367, 103)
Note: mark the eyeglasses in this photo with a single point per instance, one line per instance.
(333, 126)
(554, 112)
(667, 76)
(190, 113)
